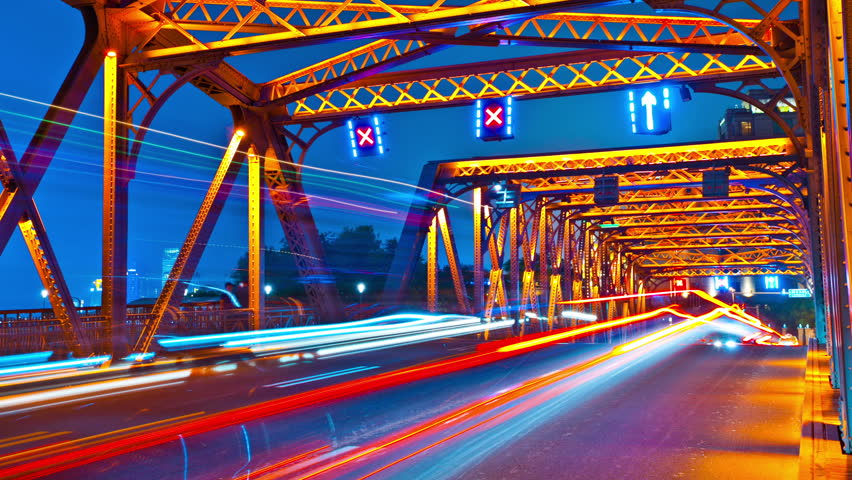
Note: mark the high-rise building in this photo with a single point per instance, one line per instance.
(169, 257)
(133, 281)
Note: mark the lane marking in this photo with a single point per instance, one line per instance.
(322, 376)
(82, 442)
(33, 438)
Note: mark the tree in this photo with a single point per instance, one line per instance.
(354, 255)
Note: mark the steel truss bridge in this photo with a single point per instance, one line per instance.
(788, 211)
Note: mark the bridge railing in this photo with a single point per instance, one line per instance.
(23, 331)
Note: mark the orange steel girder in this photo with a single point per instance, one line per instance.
(649, 156)
(35, 237)
(453, 260)
(731, 271)
(577, 30)
(671, 225)
(193, 246)
(541, 76)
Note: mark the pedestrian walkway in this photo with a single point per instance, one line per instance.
(820, 453)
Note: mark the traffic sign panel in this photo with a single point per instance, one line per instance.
(650, 111)
(365, 137)
(494, 119)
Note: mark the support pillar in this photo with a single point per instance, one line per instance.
(115, 204)
(432, 266)
(453, 260)
(256, 277)
(478, 274)
(514, 267)
(193, 246)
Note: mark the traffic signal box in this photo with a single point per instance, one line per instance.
(715, 183)
(494, 119)
(365, 137)
(606, 190)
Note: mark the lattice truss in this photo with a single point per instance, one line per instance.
(570, 246)
(602, 51)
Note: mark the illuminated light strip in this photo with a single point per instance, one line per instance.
(254, 474)
(30, 437)
(579, 315)
(200, 142)
(130, 443)
(395, 342)
(358, 332)
(589, 329)
(287, 345)
(84, 399)
(315, 378)
(25, 358)
(480, 407)
(313, 328)
(739, 315)
(44, 367)
(64, 392)
(683, 326)
(620, 297)
(81, 442)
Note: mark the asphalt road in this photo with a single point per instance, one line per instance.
(670, 409)
(37, 419)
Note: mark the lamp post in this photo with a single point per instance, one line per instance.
(43, 297)
(361, 287)
(267, 289)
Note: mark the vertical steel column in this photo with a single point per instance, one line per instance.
(478, 276)
(543, 255)
(256, 276)
(453, 260)
(514, 267)
(814, 32)
(840, 44)
(432, 266)
(114, 263)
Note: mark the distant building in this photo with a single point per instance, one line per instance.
(747, 121)
(169, 258)
(133, 281)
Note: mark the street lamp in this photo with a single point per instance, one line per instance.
(361, 287)
(43, 297)
(267, 289)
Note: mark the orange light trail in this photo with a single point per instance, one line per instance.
(373, 383)
(503, 398)
(589, 329)
(734, 310)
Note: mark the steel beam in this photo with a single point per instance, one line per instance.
(414, 230)
(453, 261)
(478, 272)
(35, 236)
(52, 129)
(193, 246)
(431, 265)
(115, 208)
(256, 277)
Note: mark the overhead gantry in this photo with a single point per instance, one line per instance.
(573, 248)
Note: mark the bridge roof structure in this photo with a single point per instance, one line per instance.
(662, 218)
